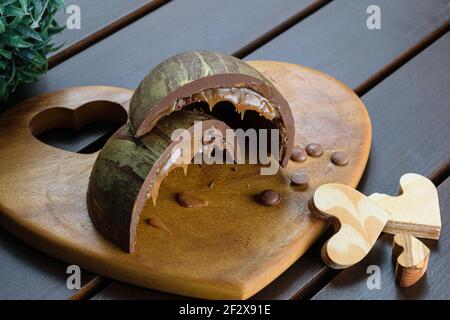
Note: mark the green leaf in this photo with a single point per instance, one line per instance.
(12, 11)
(15, 22)
(37, 19)
(27, 31)
(17, 42)
(32, 56)
(53, 49)
(5, 54)
(13, 73)
(3, 64)
(32, 73)
(55, 30)
(24, 5)
(37, 4)
(3, 86)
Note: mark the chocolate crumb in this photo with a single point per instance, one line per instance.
(188, 200)
(339, 158)
(269, 198)
(314, 150)
(299, 154)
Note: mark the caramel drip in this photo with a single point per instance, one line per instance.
(242, 98)
(176, 161)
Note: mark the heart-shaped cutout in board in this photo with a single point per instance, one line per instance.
(233, 247)
(72, 130)
(415, 210)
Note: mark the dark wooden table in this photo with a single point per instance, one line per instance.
(401, 72)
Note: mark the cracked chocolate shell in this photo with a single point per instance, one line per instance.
(129, 170)
(210, 77)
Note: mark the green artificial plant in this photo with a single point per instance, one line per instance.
(26, 29)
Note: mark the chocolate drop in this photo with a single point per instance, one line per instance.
(188, 200)
(299, 154)
(269, 198)
(339, 158)
(300, 178)
(314, 150)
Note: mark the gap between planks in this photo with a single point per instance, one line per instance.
(104, 32)
(90, 289)
(287, 24)
(402, 59)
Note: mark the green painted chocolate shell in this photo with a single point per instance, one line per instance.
(124, 174)
(180, 80)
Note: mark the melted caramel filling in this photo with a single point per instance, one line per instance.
(242, 98)
(177, 160)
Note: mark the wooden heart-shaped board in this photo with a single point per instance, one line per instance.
(231, 249)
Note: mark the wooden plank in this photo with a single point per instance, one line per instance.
(337, 41)
(386, 106)
(434, 285)
(30, 274)
(98, 19)
(123, 291)
(197, 31)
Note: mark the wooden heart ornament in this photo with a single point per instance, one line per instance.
(411, 258)
(357, 219)
(415, 211)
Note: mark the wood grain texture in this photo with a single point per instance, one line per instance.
(344, 47)
(217, 252)
(434, 285)
(415, 210)
(411, 257)
(98, 20)
(358, 222)
(425, 147)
